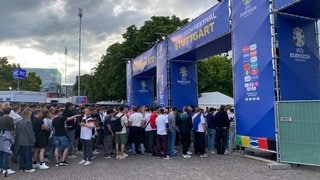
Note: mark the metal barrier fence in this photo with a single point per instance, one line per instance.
(299, 132)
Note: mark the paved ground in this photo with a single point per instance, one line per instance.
(215, 167)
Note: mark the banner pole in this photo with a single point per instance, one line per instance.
(275, 62)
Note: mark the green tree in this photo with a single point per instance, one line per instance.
(6, 71)
(31, 83)
(215, 74)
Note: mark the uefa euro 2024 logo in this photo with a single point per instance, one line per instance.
(183, 71)
(298, 37)
(143, 84)
(245, 2)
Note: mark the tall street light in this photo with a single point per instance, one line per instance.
(80, 14)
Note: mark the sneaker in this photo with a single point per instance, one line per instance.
(186, 156)
(35, 166)
(213, 152)
(117, 157)
(87, 163)
(9, 171)
(57, 164)
(107, 156)
(72, 156)
(43, 166)
(203, 156)
(30, 170)
(189, 153)
(167, 157)
(95, 152)
(63, 163)
(82, 162)
(122, 157)
(125, 155)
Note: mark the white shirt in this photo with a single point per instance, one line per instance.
(86, 132)
(147, 120)
(202, 121)
(136, 119)
(161, 121)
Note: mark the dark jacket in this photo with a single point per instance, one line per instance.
(24, 133)
(222, 119)
(211, 121)
(184, 122)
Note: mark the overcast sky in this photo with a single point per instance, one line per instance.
(34, 33)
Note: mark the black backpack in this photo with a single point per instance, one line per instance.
(115, 123)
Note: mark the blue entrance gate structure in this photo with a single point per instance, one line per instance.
(275, 58)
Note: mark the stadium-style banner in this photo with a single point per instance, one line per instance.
(129, 84)
(183, 84)
(144, 62)
(143, 91)
(299, 59)
(208, 26)
(162, 75)
(253, 72)
(279, 4)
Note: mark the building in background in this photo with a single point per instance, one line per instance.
(51, 80)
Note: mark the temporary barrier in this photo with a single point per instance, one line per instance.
(299, 124)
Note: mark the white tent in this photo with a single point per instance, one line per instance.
(214, 99)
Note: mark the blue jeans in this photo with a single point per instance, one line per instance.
(25, 157)
(70, 135)
(4, 160)
(142, 149)
(171, 142)
(211, 139)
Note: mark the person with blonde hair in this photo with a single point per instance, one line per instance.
(25, 139)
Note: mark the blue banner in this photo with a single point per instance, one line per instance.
(183, 84)
(129, 83)
(253, 71)
(299, 59)
(162, 74)
(144, 62)
(279, 4)
(143, 91)
(208, 26)
(19, 73)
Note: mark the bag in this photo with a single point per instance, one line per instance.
(115, 123)
(196, 122)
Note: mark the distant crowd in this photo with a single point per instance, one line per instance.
(33, 134)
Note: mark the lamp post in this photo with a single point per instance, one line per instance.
(65, 69)
(80, 14)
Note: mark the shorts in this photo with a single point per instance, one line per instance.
(40, 143)
(61, 142)
(120, 139)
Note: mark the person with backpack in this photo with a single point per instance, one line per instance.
(199, 129)
(121, 136)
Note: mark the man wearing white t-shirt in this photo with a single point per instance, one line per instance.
(200, 129)
(162, 127)
(87, 124)
(136, 121)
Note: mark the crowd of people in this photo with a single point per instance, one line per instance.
(33, 134)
